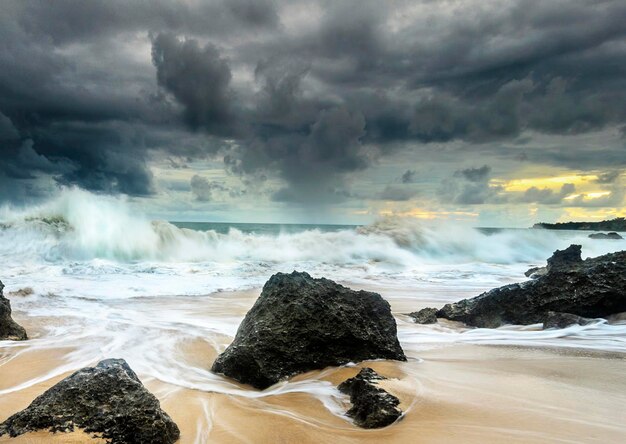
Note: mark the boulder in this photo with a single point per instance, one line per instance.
(613, 235)
(9, 329)
(563, 320)
(372, 407)
(107, 400)
(425, 316)
(300, 323)
(594, 288)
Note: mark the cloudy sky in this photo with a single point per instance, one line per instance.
(497, 113)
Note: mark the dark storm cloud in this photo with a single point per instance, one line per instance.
(471, 186)
(101, 88)
(199, 78)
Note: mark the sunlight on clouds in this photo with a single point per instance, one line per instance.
(547, 182)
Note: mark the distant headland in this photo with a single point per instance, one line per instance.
(617, 224)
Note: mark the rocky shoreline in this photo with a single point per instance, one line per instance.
(593, 288)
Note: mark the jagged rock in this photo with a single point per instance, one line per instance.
(612, 235)
(536, 272)
(300, 324)
(9, 329)
(425, 316)
(565, 259)
(107, 400)
(593, 288)
(562, 320)
(372, 407)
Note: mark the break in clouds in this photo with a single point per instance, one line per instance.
(306, 95)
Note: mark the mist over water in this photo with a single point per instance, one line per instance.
(107, 282)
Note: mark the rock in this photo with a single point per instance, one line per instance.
(594, 288)
(613, 235)
(425, 316)
(108, 400)
(562, 320)
(300, 324)
(9, 329)
(372, 407)
(536, 272)
(565, 258)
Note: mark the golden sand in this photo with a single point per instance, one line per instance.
(466, 394)
(456, 394)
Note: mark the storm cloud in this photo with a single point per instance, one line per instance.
(92, 92)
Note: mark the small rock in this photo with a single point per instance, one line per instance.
(425, 316)
(563, 320)
(108, 400)
(9, 329)
(372, 407)
(613, 235)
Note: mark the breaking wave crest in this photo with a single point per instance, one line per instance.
(82, 226)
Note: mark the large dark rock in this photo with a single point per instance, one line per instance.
(562, 320)
(593, 288)
(300, 324)
(372, 407)
(108, 400)
(9, 329)
(613, 235)
(425, 316)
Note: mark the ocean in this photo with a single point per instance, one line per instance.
(88, 276)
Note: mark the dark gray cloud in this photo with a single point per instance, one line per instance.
(608, 177)
(408, 176)
(471, 186)
(397, 193)
(101, 88)
(547, 196)
(204, 190)
(199, 78)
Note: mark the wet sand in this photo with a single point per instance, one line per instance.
(459, 393)
(469, 394)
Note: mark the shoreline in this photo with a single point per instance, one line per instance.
(451, 392)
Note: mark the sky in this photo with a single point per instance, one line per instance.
(491, 113)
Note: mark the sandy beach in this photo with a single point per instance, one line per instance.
(458, 393)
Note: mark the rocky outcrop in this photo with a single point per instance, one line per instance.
(565, 259)
(107, 400)
(425, 316)
(300, 323)
(9, 329)
(593, 288)
(562, 320)
(613, 235)
(536, 272)
(372, 407)
(617, 224)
